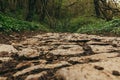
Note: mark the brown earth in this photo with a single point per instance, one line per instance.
(59, 56)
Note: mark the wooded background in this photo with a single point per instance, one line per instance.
(40, 9)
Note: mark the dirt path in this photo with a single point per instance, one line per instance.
(61, 56)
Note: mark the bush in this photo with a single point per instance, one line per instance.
(111, 27)
(89, 25)
(8, 24)
(73, 24)
(80, 22)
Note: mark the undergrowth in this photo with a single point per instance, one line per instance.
(86, 25)
(9, 24)
(111, 27)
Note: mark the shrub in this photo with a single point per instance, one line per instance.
(111, 27)
(8, 24)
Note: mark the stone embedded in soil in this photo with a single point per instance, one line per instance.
(68, 50)
(24, 64)
(30, 41)
(98, 68)
(5, 59)
(38, 76)
(29, 53)
(41, 67)
(3, 78)
(7, 49)
(94, 58)
(68, 46)
(112, 40)
(116, 73)
(89, 72)
(29, 63)
(102, 48)
(97, 43)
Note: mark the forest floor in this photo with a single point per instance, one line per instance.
(59, 56)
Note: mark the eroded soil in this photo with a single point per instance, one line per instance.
(60, 56)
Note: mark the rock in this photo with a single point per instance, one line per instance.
(24, 65)
(102, 48)
(89, 71)
(94, 58)
(41, 67)
(72, 50)
(6, 51)
(5, 59)
(29, 53)
(116, 73)
(36, 76)
(97, 43)
(7, 48)
(3, 78)
(98, 68)
(30, 41)
(68, 46)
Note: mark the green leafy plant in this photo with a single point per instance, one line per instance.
(111, 27)
(8, 24)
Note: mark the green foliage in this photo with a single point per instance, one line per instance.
(61, 25)
(73, 24)
(79, 22)
(111, 27)
(8, 24)
(89, 25)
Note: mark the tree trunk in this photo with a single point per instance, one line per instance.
(31, 7)
(2, 6)
(106, 10)
(58, 9)
(43, 9)
(103, 9)
(97, 10)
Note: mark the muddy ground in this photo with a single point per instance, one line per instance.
(59, 56)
